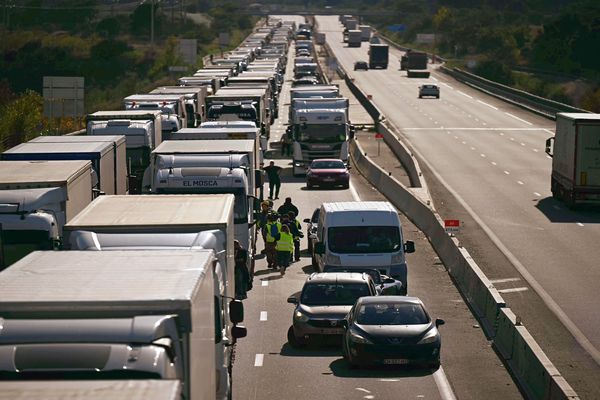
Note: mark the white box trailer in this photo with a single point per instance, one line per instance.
(119, 149)
(37, 198)
(209, 167)
(575, 152)
(167, 222)
(194, 101)
(100, 154)
(91, 390)
(121, 314)
(171, 106)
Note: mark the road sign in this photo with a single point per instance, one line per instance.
(379, 136)
(188, 50)
(452, 225)
(63, 96)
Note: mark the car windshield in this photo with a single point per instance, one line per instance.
(327, 165)
(364, 239)
(322, 133)
(329, 294)
(392, 314)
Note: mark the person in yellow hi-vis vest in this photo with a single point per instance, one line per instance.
(273, 228)
(284, 247)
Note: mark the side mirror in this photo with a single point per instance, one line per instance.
(549, 146)
(409, 246)
(239, 332)
(236, 311)
(344, 323)
(439, 322)
(292, 300)
(320, 248)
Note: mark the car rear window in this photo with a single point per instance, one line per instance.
(329, 294)
(392, 314)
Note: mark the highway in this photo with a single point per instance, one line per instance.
(266, 367)
(486, 161)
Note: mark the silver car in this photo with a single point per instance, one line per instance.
(429, 90)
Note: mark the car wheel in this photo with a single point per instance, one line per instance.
(420, 96)
(309, 186)
(437, 97)
(294, 341)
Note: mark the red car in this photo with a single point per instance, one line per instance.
(327, 172)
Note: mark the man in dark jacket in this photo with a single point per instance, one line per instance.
(287, 206)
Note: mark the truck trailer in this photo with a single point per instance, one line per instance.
(575, 153)
(378, 56)
(145, 315)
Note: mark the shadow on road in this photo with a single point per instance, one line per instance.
(341, 368)
(311, 350)
(558, 212)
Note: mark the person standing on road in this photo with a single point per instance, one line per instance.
(273, 228)
(273, 172)
(287, 206)
(261, 221)
(242, 276)
(284, 247)
(286, 144)
(294, 222)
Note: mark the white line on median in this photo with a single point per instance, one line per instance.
(486, 104)
(504, 280)
(263, 316)
(520, 119)
(258, 360)
(354, 193)
(464, 94)
(441, 381)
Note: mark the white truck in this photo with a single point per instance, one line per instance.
(354, 38)
(148, 389)
(146, 315)
(142, 130)
(172, 107)
(365, 32)
(362, 234)
(575, 152)
(209, 167)
(167, 222)
(119, 154)
(37, 198)
(195, 97)
(101, 155)
(241, 104)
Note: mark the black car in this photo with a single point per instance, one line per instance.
(311, 230)
(361, 65)
(385, 284)
(391, 330)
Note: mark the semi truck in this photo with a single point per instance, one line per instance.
(194, 101)
(209, 167)
(37, 198)
(415, 64)
(167, 222)
(142, 131)
(146, 315)
(575, 152)
(171, 106)
(101, 155)
(354, 38)
(378, 56)
(248, 105)
(365, 32)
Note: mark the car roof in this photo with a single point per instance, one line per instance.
(338, 277)
(391, 300)
(326, 159)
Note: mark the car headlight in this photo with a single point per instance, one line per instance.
(430, 337)
(333, 260)
(398, 258)
(300, 316)
(358, 338)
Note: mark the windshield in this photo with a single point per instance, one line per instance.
(327, 165)
(324, 133)
(364, 239)
(329, 294)
(232, 113)
(392, 314)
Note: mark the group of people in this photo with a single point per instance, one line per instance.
(281, 233)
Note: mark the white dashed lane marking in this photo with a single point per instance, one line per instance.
(258, 360)
(263, 315)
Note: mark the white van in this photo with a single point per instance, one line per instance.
(362, 234)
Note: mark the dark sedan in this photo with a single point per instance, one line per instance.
(327, 172)
(391, 330)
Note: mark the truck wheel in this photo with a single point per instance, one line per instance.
(294, 341)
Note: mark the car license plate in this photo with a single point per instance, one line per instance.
(395, 361)
(328, 179)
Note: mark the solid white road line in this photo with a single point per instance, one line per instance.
(258, 360)
(464, 94)
(513, 290)
(505, 280)
(520, 119)
(441, 381)
(263, 315)
(353, 192)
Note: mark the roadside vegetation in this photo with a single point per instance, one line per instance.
(110, 48)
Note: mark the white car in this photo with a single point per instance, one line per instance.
(429, 90)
